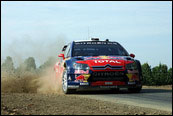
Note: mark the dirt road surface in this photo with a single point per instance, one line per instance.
(60, 104)
(38, 96)
(160, 99)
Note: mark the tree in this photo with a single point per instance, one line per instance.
(160, 74)
(147, 74)
(8, 65)
(169, 79)
(30, 64)
(27, 65)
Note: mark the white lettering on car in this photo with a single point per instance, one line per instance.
(106, 61)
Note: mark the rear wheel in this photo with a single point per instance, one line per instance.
(65, 84)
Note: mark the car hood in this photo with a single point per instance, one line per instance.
(105, 62)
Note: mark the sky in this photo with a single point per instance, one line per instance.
(40, 29)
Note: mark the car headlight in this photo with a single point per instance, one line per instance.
(78, 66)
(131, 66)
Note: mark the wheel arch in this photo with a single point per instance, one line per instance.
(139, 68)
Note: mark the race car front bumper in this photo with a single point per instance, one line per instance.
(103, 84)
(123, 79)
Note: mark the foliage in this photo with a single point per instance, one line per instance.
(8, 64)
(158, 75)
(147, 74)
(7, 68)
(27, 66)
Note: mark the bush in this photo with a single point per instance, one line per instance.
(158, 75)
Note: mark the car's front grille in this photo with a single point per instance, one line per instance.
(108, 76)
(107, 67)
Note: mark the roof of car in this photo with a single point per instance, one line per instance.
(92, 41)
(82, 40)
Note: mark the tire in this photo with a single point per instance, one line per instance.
(65, 84)
(139, 69)
(135, 90)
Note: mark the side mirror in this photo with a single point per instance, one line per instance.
(132, 55)
(64, 48)
(61, 55)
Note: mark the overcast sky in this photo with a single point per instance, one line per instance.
(39, 29)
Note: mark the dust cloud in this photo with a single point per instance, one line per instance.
(44, 82)
(37, 82)
(48, 82)
(41, 47)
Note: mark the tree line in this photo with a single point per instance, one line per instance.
(28, 65)
(158, 75)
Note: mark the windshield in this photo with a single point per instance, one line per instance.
(84, 49)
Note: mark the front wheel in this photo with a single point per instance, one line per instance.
(65, 84)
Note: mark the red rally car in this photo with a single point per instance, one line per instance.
(98, 64)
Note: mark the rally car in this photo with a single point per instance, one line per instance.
(98, 64)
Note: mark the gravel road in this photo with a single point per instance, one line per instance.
(36, 96)
(60, 104)
(160, 99)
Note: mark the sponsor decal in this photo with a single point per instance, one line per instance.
(81, 72)
(132, 77)
(131, 83)
(86, 76)
(70, 78)
(108, 87)
(108, 83)
(80, 78)
(83, 78)
(107, 61)
(84, 83)
(107, 74)
(94, 42)
(89, 58)
(129, 76)
(73, 86)
(104, 57)
(104, 83)
(115, 57)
